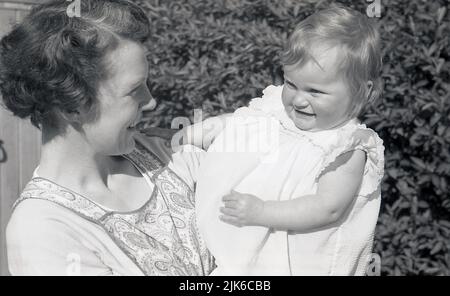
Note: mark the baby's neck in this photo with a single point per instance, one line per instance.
(353, 120)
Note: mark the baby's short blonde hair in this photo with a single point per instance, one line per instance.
(353, 33)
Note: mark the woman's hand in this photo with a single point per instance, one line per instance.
(241, 209)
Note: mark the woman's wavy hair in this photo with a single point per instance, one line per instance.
(51, 64)
(358, 38)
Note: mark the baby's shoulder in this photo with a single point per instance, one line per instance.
(351, 137)
(356, 137)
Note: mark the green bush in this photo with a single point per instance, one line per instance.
(216, 55)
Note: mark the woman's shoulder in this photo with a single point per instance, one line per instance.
(36, 218)
(41, 236)
(43, 201)
(32, 212)
(44, 204)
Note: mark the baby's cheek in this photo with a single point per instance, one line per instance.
(286, 97)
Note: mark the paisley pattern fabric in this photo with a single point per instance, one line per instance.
(161, 237)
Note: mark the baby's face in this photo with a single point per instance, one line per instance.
(314, 95)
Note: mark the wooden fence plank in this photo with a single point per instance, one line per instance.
(20, 140)
(7, 19)
(29, 151)
(10, 170)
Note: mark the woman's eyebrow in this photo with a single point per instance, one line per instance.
(134, 85)
(138, 82)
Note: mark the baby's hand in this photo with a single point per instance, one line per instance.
(241, 209)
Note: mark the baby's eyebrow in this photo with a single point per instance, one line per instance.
(287, 79)
(307, 87)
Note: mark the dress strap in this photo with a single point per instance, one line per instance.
(40, 188)
(145, 160)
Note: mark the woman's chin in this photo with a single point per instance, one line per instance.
(130, 146)
(127, 144)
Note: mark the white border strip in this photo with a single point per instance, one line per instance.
(15, 5)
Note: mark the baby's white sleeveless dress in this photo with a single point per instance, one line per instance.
(261, 152)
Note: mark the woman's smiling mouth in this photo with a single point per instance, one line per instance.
(135, 123)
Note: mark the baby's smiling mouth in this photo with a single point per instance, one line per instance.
(303, 112)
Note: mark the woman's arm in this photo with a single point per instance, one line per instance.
(337, 189)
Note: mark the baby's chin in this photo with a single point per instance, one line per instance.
(307, 128)
(303, 124)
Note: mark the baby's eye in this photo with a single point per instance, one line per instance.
(315, 92)
(290, 84)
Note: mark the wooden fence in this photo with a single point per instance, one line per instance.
(19, 140)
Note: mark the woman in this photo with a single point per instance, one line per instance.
(102, 201)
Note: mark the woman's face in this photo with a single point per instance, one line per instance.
(121, 99)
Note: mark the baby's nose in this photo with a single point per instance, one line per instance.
(300, 100)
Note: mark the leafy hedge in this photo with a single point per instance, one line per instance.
(216, 55)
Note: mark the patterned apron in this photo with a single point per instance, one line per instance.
(161, 237)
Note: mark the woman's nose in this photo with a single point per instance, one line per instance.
(149, 103)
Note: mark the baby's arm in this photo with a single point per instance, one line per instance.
(202, 134)
(337, 189)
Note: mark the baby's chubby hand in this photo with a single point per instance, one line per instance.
(241, 209)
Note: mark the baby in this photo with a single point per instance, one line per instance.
(295, 177)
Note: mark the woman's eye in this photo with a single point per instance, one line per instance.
(134, 91)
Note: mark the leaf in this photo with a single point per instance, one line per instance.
(431, 49)
(432, 270)
(436, 248)
(419, 162)
(440, 14)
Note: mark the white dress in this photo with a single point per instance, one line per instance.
(261, 152)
